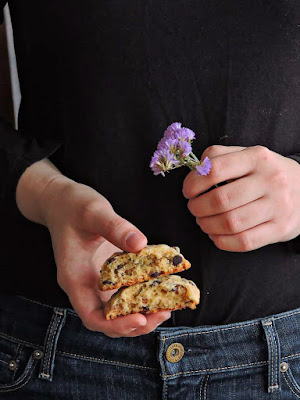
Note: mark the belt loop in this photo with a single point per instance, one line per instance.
(54, 329)
(273, 355)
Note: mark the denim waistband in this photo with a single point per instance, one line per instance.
(172, 352)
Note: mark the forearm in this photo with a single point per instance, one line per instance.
(32, 187)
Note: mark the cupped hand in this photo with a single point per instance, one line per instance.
(85, 231)
(258, 206)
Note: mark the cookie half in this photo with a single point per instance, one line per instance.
(125, 269)
(169, 292)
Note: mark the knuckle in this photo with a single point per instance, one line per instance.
(212, 151)
(232, 223)
(188, 189)
(89, 209)
(280, 179)
(192, 206)
(261, 152)
(245, 242)
(221, 199)
(113, 225)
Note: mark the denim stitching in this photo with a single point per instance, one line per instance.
(272, 354)
(212, 331)
(284, 375)
(218, 369)
(52, 340)
(101, 360)
(4, 362)
(205, 387)
(23, 384)
(201, 385)
(276, 357)
(292, 355)
(232, 327)
(46, 357)
(162, 357)
(288, 315)
(47, 305)
(30, 367)
(21, 341)
(19, 349)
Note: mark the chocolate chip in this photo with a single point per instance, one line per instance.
(110, 260)
(146, 308)
(118, 267)
(107, 283)
(155, 283)
(177, 260)
(155, 274)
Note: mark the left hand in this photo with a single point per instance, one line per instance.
(260, 205)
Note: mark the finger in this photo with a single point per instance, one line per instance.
(218, 150)
(249, 240)
(224, 167)
(100, 218)
(153, 321)
(227, 197)
(239, 219)
(90, 309)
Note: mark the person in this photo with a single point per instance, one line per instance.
(100, 82)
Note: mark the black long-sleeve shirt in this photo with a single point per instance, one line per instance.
(100, 82)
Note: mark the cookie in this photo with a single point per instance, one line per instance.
(170, 292)
(125, 269)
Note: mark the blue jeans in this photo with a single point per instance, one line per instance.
(46, 353)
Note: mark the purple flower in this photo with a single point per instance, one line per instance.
(180, 149)
(162, 161)
(171, 129)
(184, 149)
(184, 134)
(204, 167)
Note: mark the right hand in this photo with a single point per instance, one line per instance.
(85, 231)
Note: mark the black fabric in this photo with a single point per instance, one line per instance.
(101, 81)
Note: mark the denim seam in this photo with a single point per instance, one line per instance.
(4, 362)
(46, 360)
(19, 349)
(218, 369)
(36, 346)
(205, 387)
(51, 340)
(211, 331)
(47, 305)
(284, 376)
(230, 328)
(291, 356)
(276, 357)
(272, 355)
(100, 360)
(201, 386)
(30, 366)
(162, 357)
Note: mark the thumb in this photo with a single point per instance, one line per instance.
(100, 218)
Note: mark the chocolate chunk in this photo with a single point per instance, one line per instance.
(155, 283)
(177, 260)
(110, 260)
(155, 274)
(108, 283)
(118, 267)
(146, 308)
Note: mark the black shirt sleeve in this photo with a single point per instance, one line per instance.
(18, 151)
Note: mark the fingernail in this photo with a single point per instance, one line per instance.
(133, 239)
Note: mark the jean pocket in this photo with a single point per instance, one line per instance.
(290, 372)
(17, 363)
